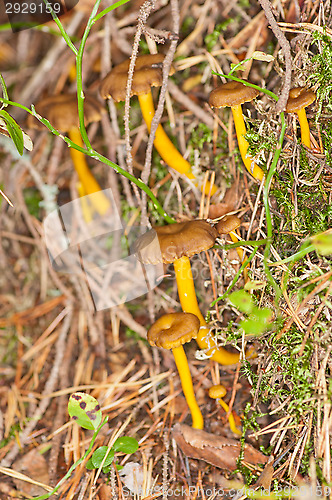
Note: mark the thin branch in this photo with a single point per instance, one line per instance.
(160, 108)
(284, 44)
(143, 15)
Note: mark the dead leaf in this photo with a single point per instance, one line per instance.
(229, 203)
(265, 479)
(105, 492)
(220, 209)
(33, 465)
(216, 450)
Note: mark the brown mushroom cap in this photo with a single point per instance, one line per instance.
(148, 73)
(173, 330)
(231, 94)
(61, 111)
(299, 98)
(217, 391)
(169, 243)
(228, 224)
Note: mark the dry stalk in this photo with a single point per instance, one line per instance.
(160, 107)
(143, 15)
(284, 44)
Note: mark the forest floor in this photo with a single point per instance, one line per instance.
(274, 309)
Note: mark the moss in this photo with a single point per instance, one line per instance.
(212, 38)
(314, 213)
(32, 199)
(321, 76)
(327, 142)
(258, 141)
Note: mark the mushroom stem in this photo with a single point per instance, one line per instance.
(304, 125)
(89, 183)
(188, 300)
(240, 128)
(217, 392)
(230, 417)
(164, 145)
(187, 386)
(235, 238)
(86, 209)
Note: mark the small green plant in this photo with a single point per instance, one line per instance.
(85, 411)
(258, 320)
(10, 128)
(323, 242)
(104, 456)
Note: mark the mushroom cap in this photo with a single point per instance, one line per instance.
(217, 391)
(148, 73)
(61, 111)
(169, 243)
(174, 329)
(299, 98)
(228, 224)
(231, 94)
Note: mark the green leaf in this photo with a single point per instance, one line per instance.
(126, 444)
(14, 130)
(85, 410)
(255, 285)
(323, 242)
(100, 453)
(242, 301)
(257, 322)
(237, 67)
(4, 90)
(89, 465)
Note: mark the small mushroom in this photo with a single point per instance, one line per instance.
(217, 392)
(299, 98)
(62, 112)
(229, 225)
(171, 331)
(234, 94)
(176, 243)
(147, 74)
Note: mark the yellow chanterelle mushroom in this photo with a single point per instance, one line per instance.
(176, 243)
(147, 74)
(61, 111)
(171, 331)
(233, 94)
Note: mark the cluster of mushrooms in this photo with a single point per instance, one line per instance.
(61, 110)
(174, 243)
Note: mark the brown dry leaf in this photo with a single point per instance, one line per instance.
(220, 209)
(179, 405)
(33, 465)
(105, 492)
(265, 479)
(216, 450)
(229, 203)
